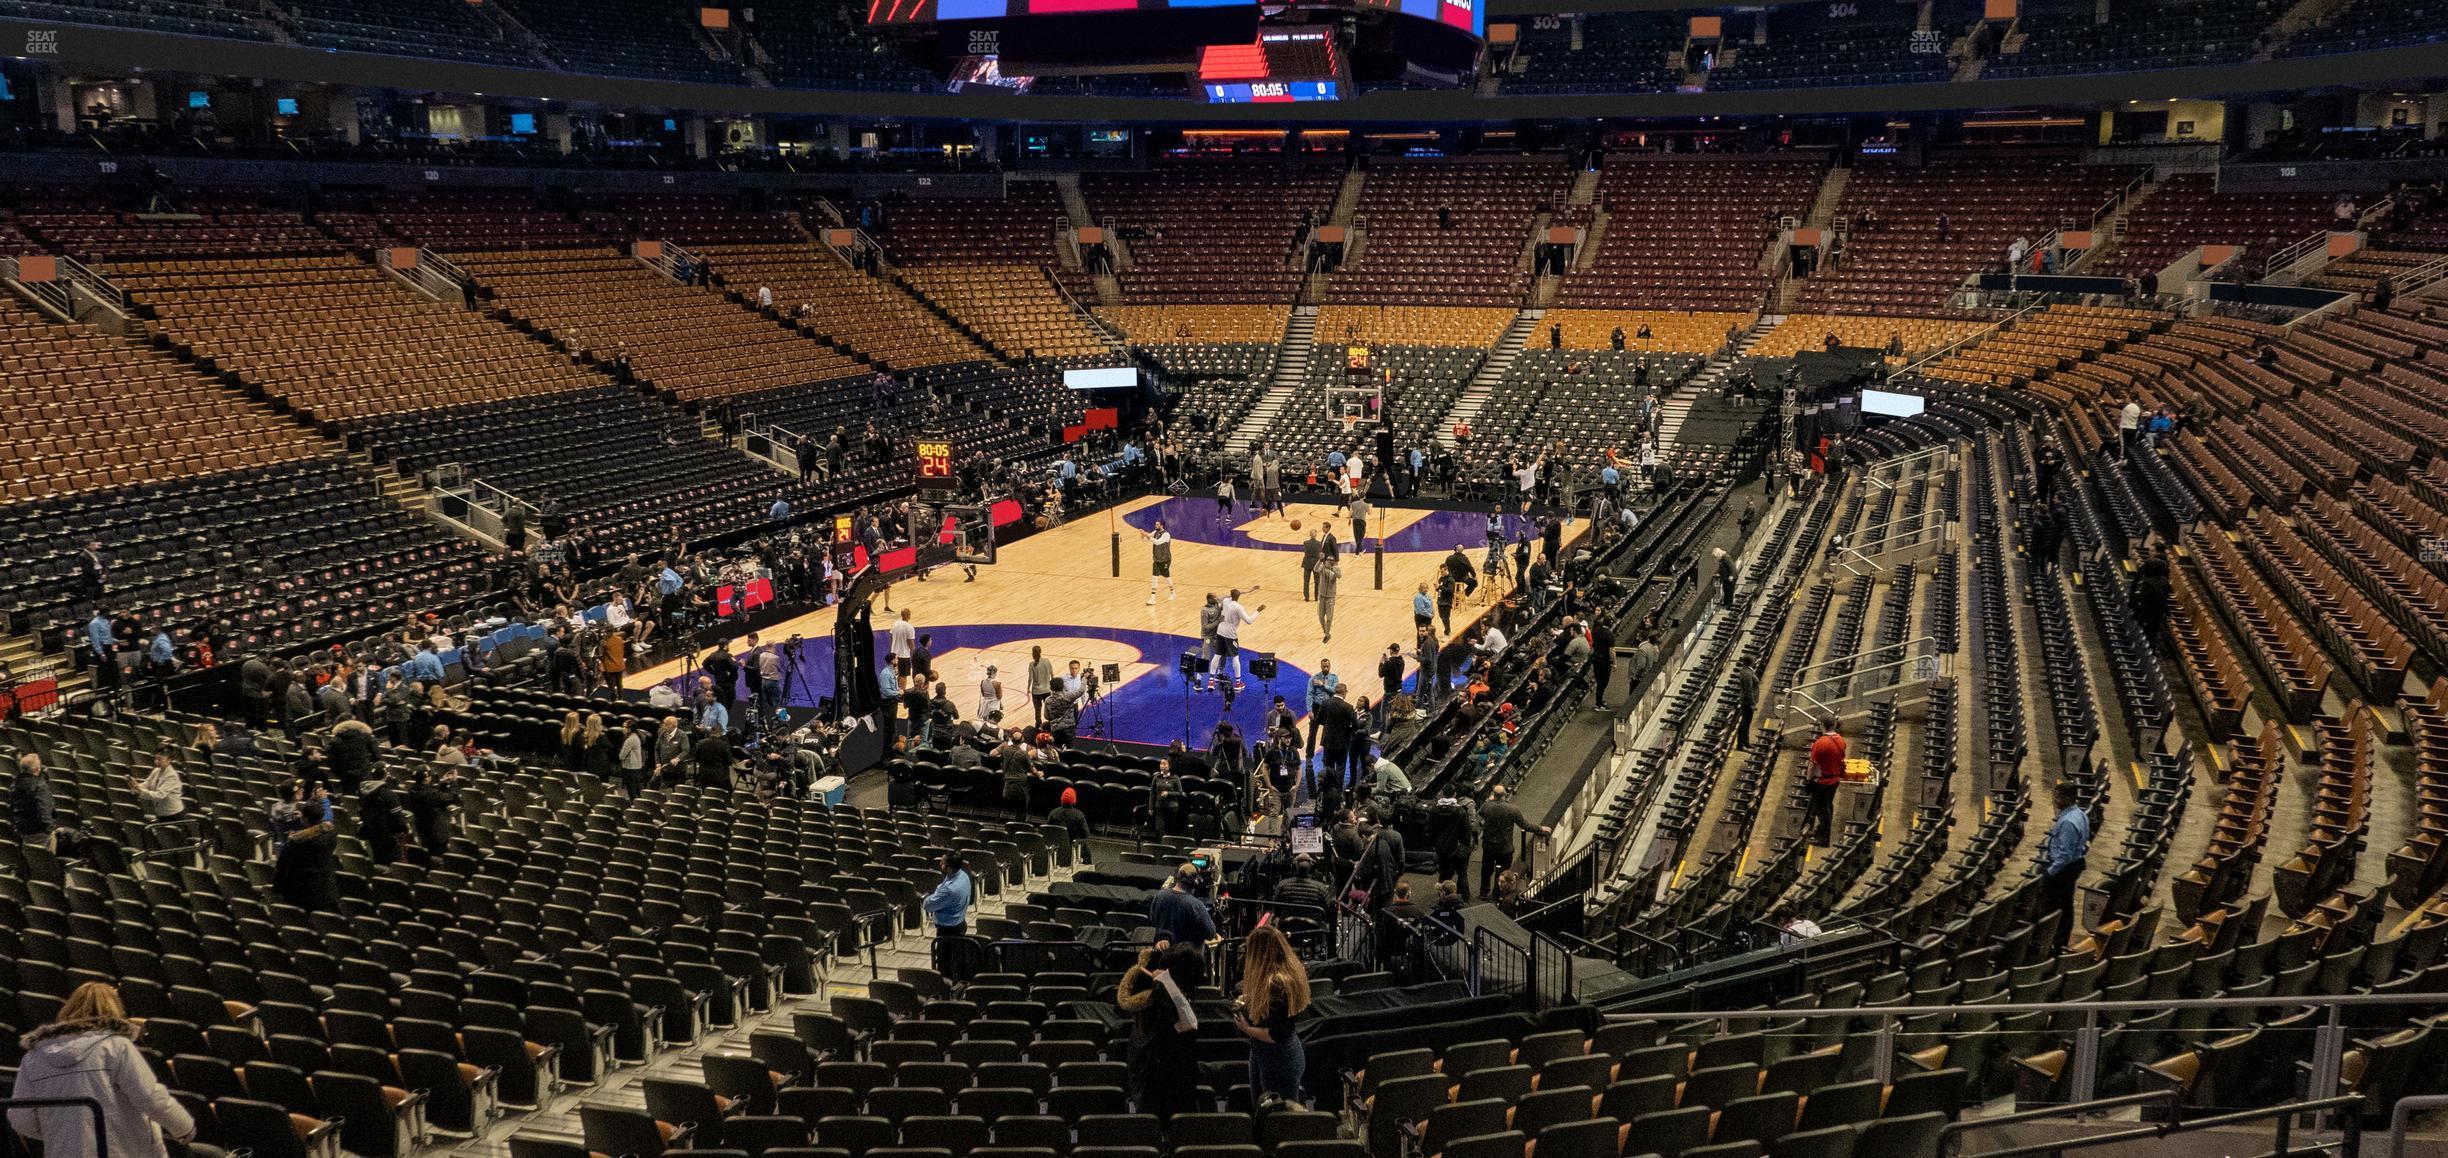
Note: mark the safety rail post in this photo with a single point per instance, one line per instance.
(92, 1106)
(1954, 1131)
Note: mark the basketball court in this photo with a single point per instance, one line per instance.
(1056, 590)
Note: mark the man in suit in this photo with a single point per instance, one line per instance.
(1311, 549)
(1329, 574)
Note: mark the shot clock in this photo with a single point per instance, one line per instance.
(935, 464)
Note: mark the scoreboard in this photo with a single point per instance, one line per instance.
(1269, 92)
(1089, 37)
(935, 464)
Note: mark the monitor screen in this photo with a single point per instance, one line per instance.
(285, 106)
(1102, 378)
(522, 124)
(199, 100)
(1891, 404)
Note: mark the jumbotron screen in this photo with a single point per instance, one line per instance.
(1169, 35)
(926, 11)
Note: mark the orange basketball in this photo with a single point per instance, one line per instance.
(1296, 524)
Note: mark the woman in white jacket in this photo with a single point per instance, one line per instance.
(90, 1052)
(161, 790)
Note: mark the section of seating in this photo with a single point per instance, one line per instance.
(1915, 232)
(231, 222)
(2190, 209)
(631, 475)
(1419, 383)
(1018, 228)
(1015, 307)
(452, 219)
(689, 220)
(2067, 36)
(1689, 231)
(625, 38)
(2363, 25)
(1617, 52)
(867, 316)
(447, 29)
(1449, 232)
(1213, 231)
(187, 17)
(827, 46)
(1193, 325)
(91, 412)
(1583, 401)
(334, 339)
(552, 934)
(1817, 45)
(2053, 339)
(1799, 332)
(283, 554)
(1464, 326)
(601, 304)
(1675, 333)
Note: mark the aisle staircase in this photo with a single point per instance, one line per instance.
(1831, 196)
(2109, 230)
(1283, 383)
(1474, 398)
(1712, 376)
(1585, 188)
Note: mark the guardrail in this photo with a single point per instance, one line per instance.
(2330, 1035)
(459, 497)
(1970, 339)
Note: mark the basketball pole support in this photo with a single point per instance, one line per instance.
(1380, 562)
(1117, 542)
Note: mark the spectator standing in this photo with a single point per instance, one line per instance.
(948, 906)
(1499, 820)
(2061, 868)
(30, 803)
(160, 791)
(382, 820)
(1827, 760)
(1274, 991)
(1177, 916)
(1040, 682)
(304, 870)
(89, 1051)
(1164, 1027)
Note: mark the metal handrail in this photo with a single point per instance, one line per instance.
(92, 1106)
(2401, 1119)
(2342, 1000)
(1970, 339)
(2285, 1114)
(2291, 254)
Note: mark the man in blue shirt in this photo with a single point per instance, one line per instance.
(1179, 917)
(1611, 478)
(948, 906)
(2061, 865)
(162, 652)
(711, 715)
(425, 667)
(779, 512)
(667, 581)
(98, 637)
(1322, 685)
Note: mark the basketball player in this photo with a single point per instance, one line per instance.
(1160, 563)
(1231, 617)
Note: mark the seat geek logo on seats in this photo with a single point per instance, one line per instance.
(42, 42)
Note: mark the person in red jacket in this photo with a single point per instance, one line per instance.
(1827, 757)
